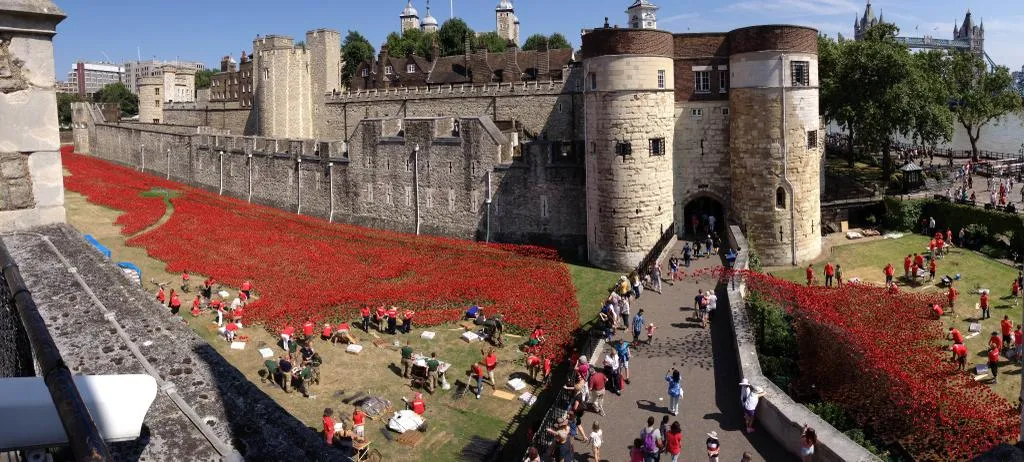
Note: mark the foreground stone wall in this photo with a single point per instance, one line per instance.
(31, 183)
(777, 413)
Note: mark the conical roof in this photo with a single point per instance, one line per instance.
(409, 11)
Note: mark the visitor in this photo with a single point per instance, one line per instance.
(931, 224)
(808, 438)
(1018, 343)
(407, 359)
(713, 446)
(597, 384)
(583, 367)
(286, 337)
(687, 255)
(993, 363)
(675, 390)
(730, 258)
(636, 451)
(651, 441)
(888, 274)
(749, 397)
(650, 332)
(491, 362)
(655, 277)
(839, 275)
(1006, 326)
(983, 302)
(623, 351)
(959, 356)
(830, 274)
(638, 325)
(674, 441)
(564, 451)
(611, 370)
(638, 286)
(365, 313)
(746, 457)
(673, 269)
(663, 428)
(407, 320)
(960, 237)
(709, 245)
(478, 372)
(596, 438)
(810, 274)
(532, 455)
(712, 300)
(711, 223)
(907, 263)
(392, 319)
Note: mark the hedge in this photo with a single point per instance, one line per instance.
(986, 224)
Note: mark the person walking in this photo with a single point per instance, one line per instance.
(638, 325)
(993, 362)
(563, 444)
(810, 274)
(674, 441)
(655, 277)
(808, 438)
(596, 438)
(611, 370)
(597, 384)
(830, 274)
(651, 441)
(622, 348)
(713, 446)
(983, 303)
(951, 297)
(1006, 328)
(749, 397)
(675, 390)
(839, 275)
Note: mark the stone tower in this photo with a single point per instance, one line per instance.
(629, 113)
(971, 33)
(283, 88)
(867, 21)
(410, 17)
(642, 14)
(429, 23)
(151, 99)
(31, 183)
(776, 140)
(324, 68)
(507, 21)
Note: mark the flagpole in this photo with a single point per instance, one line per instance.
(451, 9)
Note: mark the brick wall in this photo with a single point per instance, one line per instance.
(645, 42)
(774, 38)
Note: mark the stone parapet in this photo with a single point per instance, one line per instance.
(453, 91)
(777, 413)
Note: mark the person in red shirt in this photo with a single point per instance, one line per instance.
(931, 248)
(955, 335)
(417, 404)
(1018, 341)
(407, 320)
(365, 313)
(175, 302)
(326, 331)
(329, 426)
(491, 361)
(341, 334)
(1015, 291)
(597, 384)
(392, 319)
(246, 288)
(184, 282)
(949, 235)
(229, 331)
(830, 274)
(478, 375)
(919, 259)
(983, 302)
(160, 296)
(931, 270)
(889, 271)
(993, 362)
(1006, 326)
(893, 288)
(951, 296)
(936, 311)
(536, 337)
(237, 314)
(913, 272)
(906, 266)
(382, 318)
(308, 328)
(533, 365)
(995, 341)
(358, 418)
(242, 297)
(219, 306)
(196, 304)
(286, 337)
(960, 356)
(940, 247)
(547, 368)
(674, 440)
(810, 274)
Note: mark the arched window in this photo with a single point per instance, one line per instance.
(780, 198)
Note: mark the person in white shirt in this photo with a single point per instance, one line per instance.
(611, 369)
(749, 397)
(595, 440)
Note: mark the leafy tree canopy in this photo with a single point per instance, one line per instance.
(554, 41)
(492, 42)
(118, 93)
(980, 96)
(64, 101)
(412, 41)
(204, 79)
(452, 37)
(354, 50)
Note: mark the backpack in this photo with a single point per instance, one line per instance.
(650, 443)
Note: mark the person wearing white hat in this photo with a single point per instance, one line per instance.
(564, 451)
(713, 446)
(749, 397)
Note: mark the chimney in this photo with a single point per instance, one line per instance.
(481, 70)
(543, 61)
(512, 72)
(468, 58)
(245, 58)
(385, 60)
(435, 48)
(224, 63)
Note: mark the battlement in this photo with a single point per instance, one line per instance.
(552, 87)
(271, 147)
(275, 42)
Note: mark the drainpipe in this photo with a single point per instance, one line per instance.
(221, 156)
(785, 162)
(298, 184)
(487, 237)
(330, 174)
(249, 175)
(416, 183)
(143, 149)
(168, 163)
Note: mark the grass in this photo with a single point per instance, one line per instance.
(866, 261)
(452, 424)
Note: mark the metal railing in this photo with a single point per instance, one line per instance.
(84, 437)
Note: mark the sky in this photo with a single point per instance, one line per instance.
(206, 30)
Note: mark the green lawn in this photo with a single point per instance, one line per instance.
(591, 289)
(866, 261)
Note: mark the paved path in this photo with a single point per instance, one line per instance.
(707, 361)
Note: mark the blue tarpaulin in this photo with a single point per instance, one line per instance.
(92, 240)
(131, 266)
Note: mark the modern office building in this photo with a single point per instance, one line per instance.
(88, 78)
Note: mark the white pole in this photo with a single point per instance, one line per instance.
(221, 191)
(416, 183)
(298, 185)
(330, 175)
(143, 149)
(168, 163)
(249, 198)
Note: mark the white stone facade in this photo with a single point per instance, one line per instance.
(284, 90)
(629, 107)
(151, 100)
(701, 155)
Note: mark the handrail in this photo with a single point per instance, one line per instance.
(83, 436)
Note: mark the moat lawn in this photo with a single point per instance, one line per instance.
(866, 260)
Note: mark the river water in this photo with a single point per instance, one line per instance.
(1006, 136)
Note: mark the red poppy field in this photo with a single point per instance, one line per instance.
(306, 268)
(885, 360)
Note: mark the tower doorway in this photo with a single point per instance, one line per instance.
(700, 214)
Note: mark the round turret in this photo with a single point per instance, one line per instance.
(409, 11)
(776, 140)
(629, 104)
(504, 5)
(151, 98)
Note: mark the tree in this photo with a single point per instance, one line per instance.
(355, 49)
(980, 96)
(933, 122)
(491, 41)
(204, 79)
(64, 101)
(451, 37)
(554, 41)
(412, 41)
(119, 94)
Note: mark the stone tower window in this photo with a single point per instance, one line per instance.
(410, 68)
(723, 81)
(592, 78)
(156, 90)
(266, 73)
(812, 139)
(657, 146)
(369, 192)
(543, 206)
(780, 198)
(661, 78)
(801, 73)
(366, 72)
(623, 148)
(388, 70)
(702, 82)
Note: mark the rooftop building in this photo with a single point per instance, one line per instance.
(88, 78)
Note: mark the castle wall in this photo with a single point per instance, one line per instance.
(629, 194)
(284, 92)
(775, 120)
(700, 156)
(151, 100)
(325, 70)
(240, 121)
